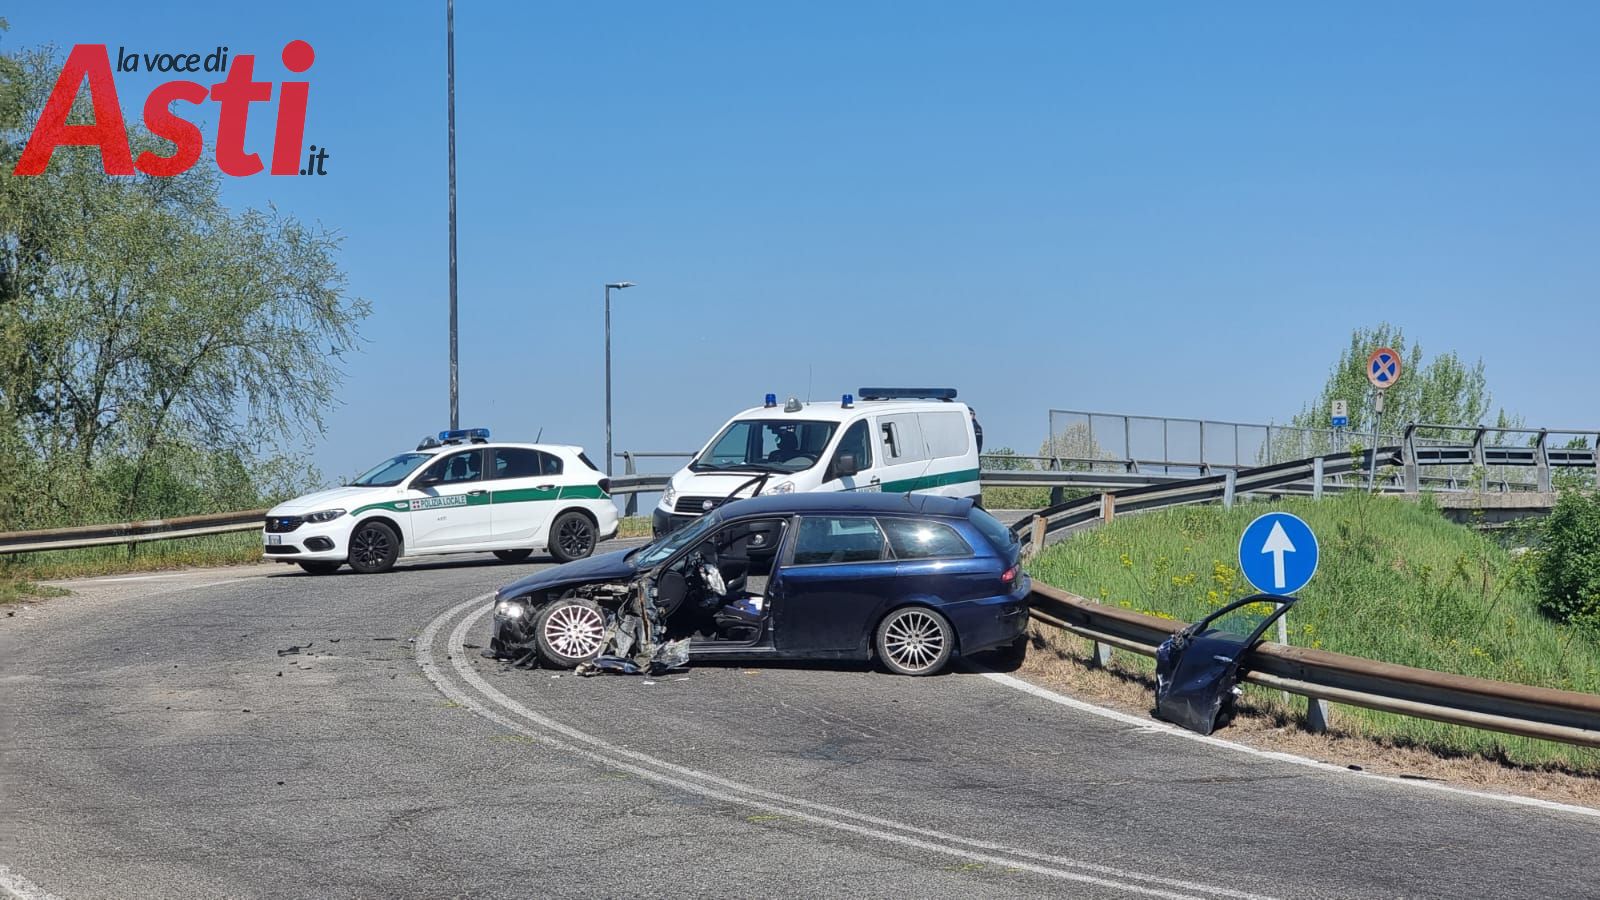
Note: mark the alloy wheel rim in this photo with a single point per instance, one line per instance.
(574, 537)
(914, 641)
(574, 631)
(371, 547)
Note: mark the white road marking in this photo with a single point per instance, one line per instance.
(1144, 725)
(725, 790)
(19, 888)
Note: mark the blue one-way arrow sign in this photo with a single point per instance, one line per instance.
(1278, 553)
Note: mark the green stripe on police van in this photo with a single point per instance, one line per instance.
(924, 482)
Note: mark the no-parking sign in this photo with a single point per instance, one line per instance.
(1383, 368)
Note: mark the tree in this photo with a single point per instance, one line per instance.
(150, 338)
(1443, 390)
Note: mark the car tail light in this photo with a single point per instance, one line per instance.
(605, 485)
(1009, 576)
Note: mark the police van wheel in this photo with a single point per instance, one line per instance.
(321, 567)
(374, 548)
(571, 536)
(513, 555)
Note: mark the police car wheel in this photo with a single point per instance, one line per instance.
(571, 536)
(319, 567)
(915, 640)
(569, 631)
(373, 548)
(513, 555)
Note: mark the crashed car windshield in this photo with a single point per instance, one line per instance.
(651, 554)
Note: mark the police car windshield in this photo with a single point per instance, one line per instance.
(392, 471)
(651, 554)
(766, 445)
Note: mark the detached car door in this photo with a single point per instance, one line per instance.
(524, 484)
(827, 597)
(454, 509)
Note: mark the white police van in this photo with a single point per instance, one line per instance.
(900, 440)
(457, 493)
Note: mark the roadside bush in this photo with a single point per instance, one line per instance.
(1569, 563)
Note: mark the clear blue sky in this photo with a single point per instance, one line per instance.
(1162, 208)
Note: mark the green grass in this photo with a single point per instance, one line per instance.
(634, 527)
(1397, 582)
(14, 590)
(234, 548)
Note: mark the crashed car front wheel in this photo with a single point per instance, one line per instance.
(569, 631)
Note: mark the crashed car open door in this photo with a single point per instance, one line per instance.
(1197, 668)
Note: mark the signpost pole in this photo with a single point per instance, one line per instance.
(1372, 473)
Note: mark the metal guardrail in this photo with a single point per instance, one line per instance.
(1297, 476)
(129, 532)
(1565, 716)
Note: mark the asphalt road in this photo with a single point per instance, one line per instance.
(158, 741)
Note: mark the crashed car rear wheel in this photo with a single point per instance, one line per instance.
(569, 631)
(915, 640)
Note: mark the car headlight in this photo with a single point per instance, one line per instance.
(782, 487)
(508, 609)
(668, 496)
(326, 515)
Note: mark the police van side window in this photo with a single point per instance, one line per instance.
(946, 434)
(857, 440)
(902, 439)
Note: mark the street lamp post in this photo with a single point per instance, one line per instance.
(450, 67)
(619, 285)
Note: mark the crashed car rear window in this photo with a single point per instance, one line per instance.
(917, 539)
(999, 535)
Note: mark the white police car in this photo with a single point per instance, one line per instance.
(458, 493)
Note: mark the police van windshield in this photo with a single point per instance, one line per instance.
(766, 445)
(392, 471)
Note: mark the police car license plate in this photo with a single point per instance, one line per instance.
(274, 538)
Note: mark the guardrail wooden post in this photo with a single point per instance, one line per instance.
(1058, 494)
(1108, 507)
(1229, 479)
(1036, 543)
(1316, 478)
(1102, 654)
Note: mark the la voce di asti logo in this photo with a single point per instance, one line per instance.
(233, 96)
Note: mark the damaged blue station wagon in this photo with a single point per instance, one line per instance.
(911, 580)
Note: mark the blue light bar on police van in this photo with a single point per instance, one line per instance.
(847, 401)
(457, 435)
(893, 393)
(771, 401)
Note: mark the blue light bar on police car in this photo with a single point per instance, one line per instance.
(892, 393)
(847, 401)
(464, 434)
(771, 401)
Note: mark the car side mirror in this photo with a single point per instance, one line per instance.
(426, 479)
(845, 465)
